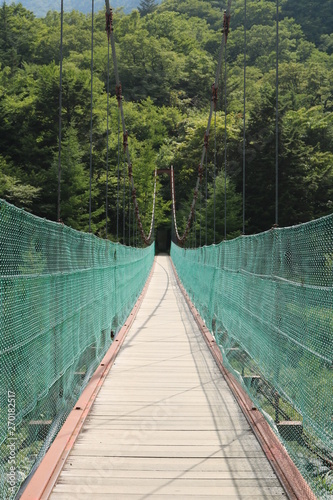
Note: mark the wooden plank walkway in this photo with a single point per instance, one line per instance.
(165, 423)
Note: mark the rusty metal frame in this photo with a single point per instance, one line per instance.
(44, 479)
(289, 476)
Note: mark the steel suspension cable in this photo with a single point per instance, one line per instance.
(244, 117)
(124, 201)
(226, 25)
(195, 228)
(225, 146)
(60, 110)
(91, 108)
(118, 181)
(129, 215)
(107, 142)
(173, 202)
(200, 207)
(133, 236)
(172, 225)
(277, 120)
(206, 198)
(109, 21)
(154, 204)
(153, 228)
(173, 197)
(215, 153)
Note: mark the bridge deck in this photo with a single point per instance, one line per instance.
(165, 422)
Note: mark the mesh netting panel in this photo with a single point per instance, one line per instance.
(61, 294)
(268, 300)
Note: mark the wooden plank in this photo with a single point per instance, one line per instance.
(149, 464)
(174, 487)
(172, 437)
(168, 474)
(181, 425)
(140, 450)
(169, 423)
(183, 399)
(154, 410)
(101, 496)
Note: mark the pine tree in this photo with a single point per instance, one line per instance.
(147, 7)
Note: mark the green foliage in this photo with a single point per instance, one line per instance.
(200, 9)
(316, 19)
(147, 7)
(11, 189)
(167, 62)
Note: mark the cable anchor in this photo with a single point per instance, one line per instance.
(125, 143)
(109, 23)
(206, 140)
(119, 93)
(226, 25)
(214, 95)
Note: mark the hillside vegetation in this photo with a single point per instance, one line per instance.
(167, 62)
(41, 7)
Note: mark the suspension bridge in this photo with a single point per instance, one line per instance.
(206, 373)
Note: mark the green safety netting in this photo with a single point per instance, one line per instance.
(61, 294)
(268, 301)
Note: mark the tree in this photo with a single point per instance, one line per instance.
(18, 45)
(315, 18)
(147, 7)
(14, 191)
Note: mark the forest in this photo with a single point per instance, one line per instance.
(167, 61)
(41, 7)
